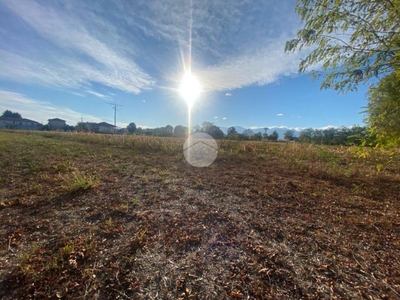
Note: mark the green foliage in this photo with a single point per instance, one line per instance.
(212, 130)
(131, 127)
(273, 136)
(354, 40)
(232, 134)
(180, 131)
(384, 110)
(349, 136)
(9, 114)
(82, 127)
(80, 182)
(289, 135)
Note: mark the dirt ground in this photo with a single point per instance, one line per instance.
(91, 221)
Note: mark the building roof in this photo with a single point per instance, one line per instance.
(105, 124)
(18, 120)
(57, 119)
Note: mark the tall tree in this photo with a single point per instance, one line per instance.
(289, 135)
(232, 131)
(354, 40)
(169, 130)
(306, 135)
(384, 110)
(9, 114)
(131, 127)
(180, 131)
(273, 136)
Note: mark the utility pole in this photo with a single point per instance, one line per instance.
(115, 108)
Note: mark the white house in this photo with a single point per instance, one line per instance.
(56, 124)
(19, 123)
(104, 127)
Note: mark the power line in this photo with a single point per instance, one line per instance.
(115, 108)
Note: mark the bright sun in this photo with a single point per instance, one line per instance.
(190, 88)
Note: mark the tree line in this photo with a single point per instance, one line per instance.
(355, 135)
(355, 41)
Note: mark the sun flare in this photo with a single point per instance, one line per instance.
(190, 88)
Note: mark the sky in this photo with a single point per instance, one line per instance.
(73, 59)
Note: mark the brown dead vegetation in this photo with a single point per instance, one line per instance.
(108, 219)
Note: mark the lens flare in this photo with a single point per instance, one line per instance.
(190, 88)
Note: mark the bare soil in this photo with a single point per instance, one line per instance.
(147, 225)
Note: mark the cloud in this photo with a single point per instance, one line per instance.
(327, 127)
(258, 66)
(279, 115)
(132, 45)
(40, 111)
(224, 118)
(68, 54)
(144, 101)
(99, 95)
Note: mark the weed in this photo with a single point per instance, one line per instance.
(135, 200)
(82, 182)
(144, 179)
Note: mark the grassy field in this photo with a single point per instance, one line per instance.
(86, 216)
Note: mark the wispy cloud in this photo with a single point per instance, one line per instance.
(99, 95)
(279, 115)
(224, 118)
(131, 45)
(74, 56)
(40, 111)
(259, 67)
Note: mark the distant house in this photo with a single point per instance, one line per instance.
(56, 124)
(19, 123)
(102, 127)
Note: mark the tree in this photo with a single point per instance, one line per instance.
(354, 40)
(169, 130)
(9, 114)
(139, 131)
(212, 130)
(45, 128)
(289, 135)
(306, 135)
(83, 127)
(131, 127)
(383, 110)
(180, 131)
(69, 128)
(215, 132)
(257, 136)
(205, 126)
(273, 136)
(232, 133)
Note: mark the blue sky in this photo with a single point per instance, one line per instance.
(70, 59)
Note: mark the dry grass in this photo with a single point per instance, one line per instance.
(86, 216)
